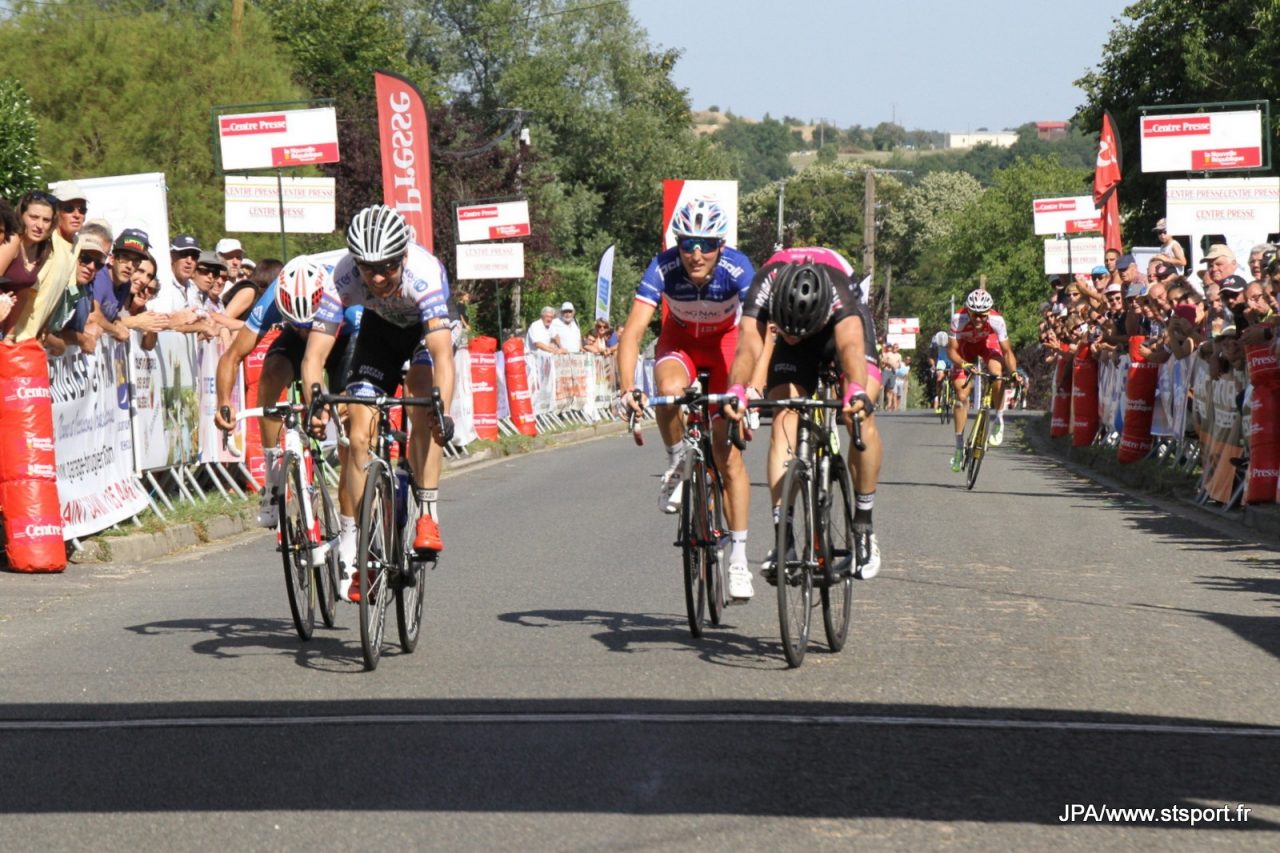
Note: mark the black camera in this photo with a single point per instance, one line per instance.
(1271, 262)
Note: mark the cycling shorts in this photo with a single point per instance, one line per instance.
(802, 363)
(291, 345)
(979, 353)
(713, 354)
(381, 350)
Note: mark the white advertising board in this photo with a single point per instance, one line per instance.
(278, 139)
(494, 221)
(904, 326)
(1074, 215)
(1223, 206)
(1202, 142)
(252, 204)
(1085, 254)
(490, 260)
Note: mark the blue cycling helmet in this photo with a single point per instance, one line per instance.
(701, 217)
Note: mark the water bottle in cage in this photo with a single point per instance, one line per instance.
(402, 494)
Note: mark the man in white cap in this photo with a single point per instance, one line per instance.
(232, 254)
(565, 327)
(72, 208)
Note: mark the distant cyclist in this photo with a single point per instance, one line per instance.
(703, 282)
(404, 291)
(979, 336)
(938, 354)
(291, 302)
(821, 319)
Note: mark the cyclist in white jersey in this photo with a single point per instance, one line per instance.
(404, 290)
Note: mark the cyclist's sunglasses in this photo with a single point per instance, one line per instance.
(384, 268)
(706, 245)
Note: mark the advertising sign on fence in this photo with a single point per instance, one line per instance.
(1076, 215)
(1202, 142)
(1084, 253)
(493, 221)
(490, 260)
(1223, 206)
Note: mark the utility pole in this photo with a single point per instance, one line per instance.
(869, 225)
(782, 194)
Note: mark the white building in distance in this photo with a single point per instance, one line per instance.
(1000, 139)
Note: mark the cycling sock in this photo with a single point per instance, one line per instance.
(862, 506)
(346, 525)
(427, 502)
(272, 456)
(959, 441)
(737, 547)
(673, 453)
(1000, 417)
(777, 515)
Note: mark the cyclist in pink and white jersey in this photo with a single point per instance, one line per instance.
(978, 335)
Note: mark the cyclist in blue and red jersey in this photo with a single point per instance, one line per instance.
(979, 336)
(703, 282)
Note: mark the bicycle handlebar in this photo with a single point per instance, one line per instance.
(384, 402)
(810, 404)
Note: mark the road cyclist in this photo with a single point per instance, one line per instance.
(979, 335)
(941, 367)
(702, 282)
(404, 290)
(821, 320)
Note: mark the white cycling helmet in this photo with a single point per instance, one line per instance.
(299, 288)
(979, 300)
(700, 218)
(377, 234)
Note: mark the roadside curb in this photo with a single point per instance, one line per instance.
(141, 547)
(1259, 522)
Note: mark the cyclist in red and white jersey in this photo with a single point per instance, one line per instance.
(978, 335)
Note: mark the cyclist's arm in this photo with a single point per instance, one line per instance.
(319, 345)
(953, 351)
(1010, 360)
(751, 345)
(852, 348)
(241, 346)
(629, 343)
(440, 344)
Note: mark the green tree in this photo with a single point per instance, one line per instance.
(20, 166)
(888, 136)
(135, 99)
(1175, 52)
(926, 214)
(761, 149)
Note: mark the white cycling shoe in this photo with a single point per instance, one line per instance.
(268, 512)
(997, 435)
(867, 551)
(347, 546)
(672, 488)
(740, 588)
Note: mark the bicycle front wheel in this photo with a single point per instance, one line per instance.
(295, 550)
(717, 571)
(795, 559)
(376, 552)
(409, 590)
(326, 571)
(693, 531)
(977, 448)
(839, 555)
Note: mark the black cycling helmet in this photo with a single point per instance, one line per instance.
(800, 302)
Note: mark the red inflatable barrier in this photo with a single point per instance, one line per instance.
(1264, 426)
(1084, 399)
(28, 469)
(518, 396)
(1061, 423)
(484, 387)
(1139, 405)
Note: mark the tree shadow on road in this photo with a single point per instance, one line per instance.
(634, 633)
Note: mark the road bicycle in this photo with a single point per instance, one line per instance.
(975, 443)
(386, 563)
(307, 526)
(701, 531)
(946, 399)
(815, 544)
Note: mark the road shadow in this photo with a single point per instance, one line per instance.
(639, 633)
(839, 760)
(231, 638)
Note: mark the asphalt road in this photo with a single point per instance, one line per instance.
(1033, 644)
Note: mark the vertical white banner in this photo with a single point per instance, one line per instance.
(604, 284)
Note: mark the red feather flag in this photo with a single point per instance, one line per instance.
(1106, 180)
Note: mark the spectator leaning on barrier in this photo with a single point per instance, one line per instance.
(247, 266)
(565, 329)
(240, 297)
(205, 303)
(601, 340)
(540, 336)
(72, 208)
(36, 212)
(69, 321)
(111, 284)
(143, 286)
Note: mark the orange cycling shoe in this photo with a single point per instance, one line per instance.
(428, 535)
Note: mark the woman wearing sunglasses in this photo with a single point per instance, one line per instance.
(703, 283)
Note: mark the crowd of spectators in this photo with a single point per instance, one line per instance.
(1213, 312)
(559, 334)
(67, 279)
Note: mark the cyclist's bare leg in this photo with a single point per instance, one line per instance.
(996, 366)
(361, 425)
(417, 383)
(277, 373)
(737, 483)
(782, 439)
(962, 386)
(939, 376)
(670, 378)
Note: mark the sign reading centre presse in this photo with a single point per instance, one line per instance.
(1202, 142)
(253, 204)
(280, 139)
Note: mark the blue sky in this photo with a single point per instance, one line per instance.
(933, 65)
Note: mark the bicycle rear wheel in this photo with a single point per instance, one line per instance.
(326, 572)
(794, 554)
(409, 587)
(977, 448)
(838, 555)
(717, 571)
(693, 524)
(376, 550)
(295, 551)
